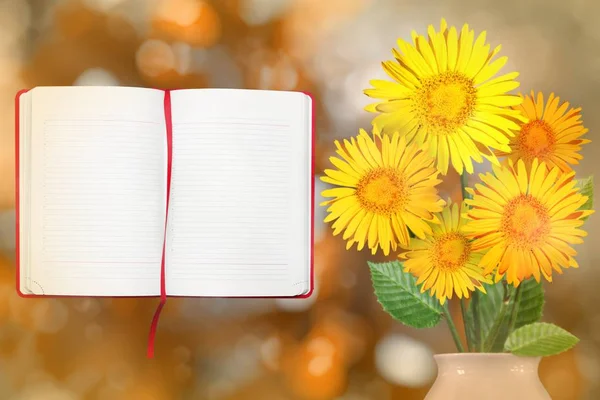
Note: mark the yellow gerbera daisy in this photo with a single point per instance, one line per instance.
(445, 262)
(444, 95)
(527, 220)
(552, 135)
(385, 188)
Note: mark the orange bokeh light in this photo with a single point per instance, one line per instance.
(191, 21)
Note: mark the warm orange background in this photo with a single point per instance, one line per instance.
(339, 344)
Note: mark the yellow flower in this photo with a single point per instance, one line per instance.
(552, 135)
(384, 187)
(445, 262)
(527, 222)
(444, 96)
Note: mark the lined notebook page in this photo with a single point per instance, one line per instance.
(98, 190)
(238, 212)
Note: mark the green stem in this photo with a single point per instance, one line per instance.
(515, 310)
(477, 320)
(475, 298)
(453, 330)
(463, 311)
(463, 185)
(500, 319)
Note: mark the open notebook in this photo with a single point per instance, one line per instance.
(97, 167)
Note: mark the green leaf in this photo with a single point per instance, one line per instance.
(399, 295)
(586, 188)
(531, 304)
(540, 339)
(494, 318)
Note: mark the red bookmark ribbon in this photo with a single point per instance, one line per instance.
(163, 289)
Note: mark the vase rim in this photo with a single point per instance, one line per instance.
(473, 355)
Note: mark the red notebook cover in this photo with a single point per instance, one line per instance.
(163, 296)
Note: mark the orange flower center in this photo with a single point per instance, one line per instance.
(382, 191)
(536, 140)
(445, 101)
(526, 222)
(450, 251)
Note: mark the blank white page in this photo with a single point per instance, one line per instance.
(238, 222)
(98, 195)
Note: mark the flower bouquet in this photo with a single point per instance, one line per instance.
(447, 107)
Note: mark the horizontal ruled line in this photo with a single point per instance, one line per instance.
(69, 237)
(84, 161)
(87, 278)
(72, 121)
(101, 262)
(88, 138)
(241, 244)
(234, 276)
(91, 230)
(216, 263)
(195, 267)
(143, 190)
(229, 122)
(136, 169)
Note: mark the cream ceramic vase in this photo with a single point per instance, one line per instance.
(487, 376)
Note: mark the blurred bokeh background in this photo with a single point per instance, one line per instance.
(339, 344)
